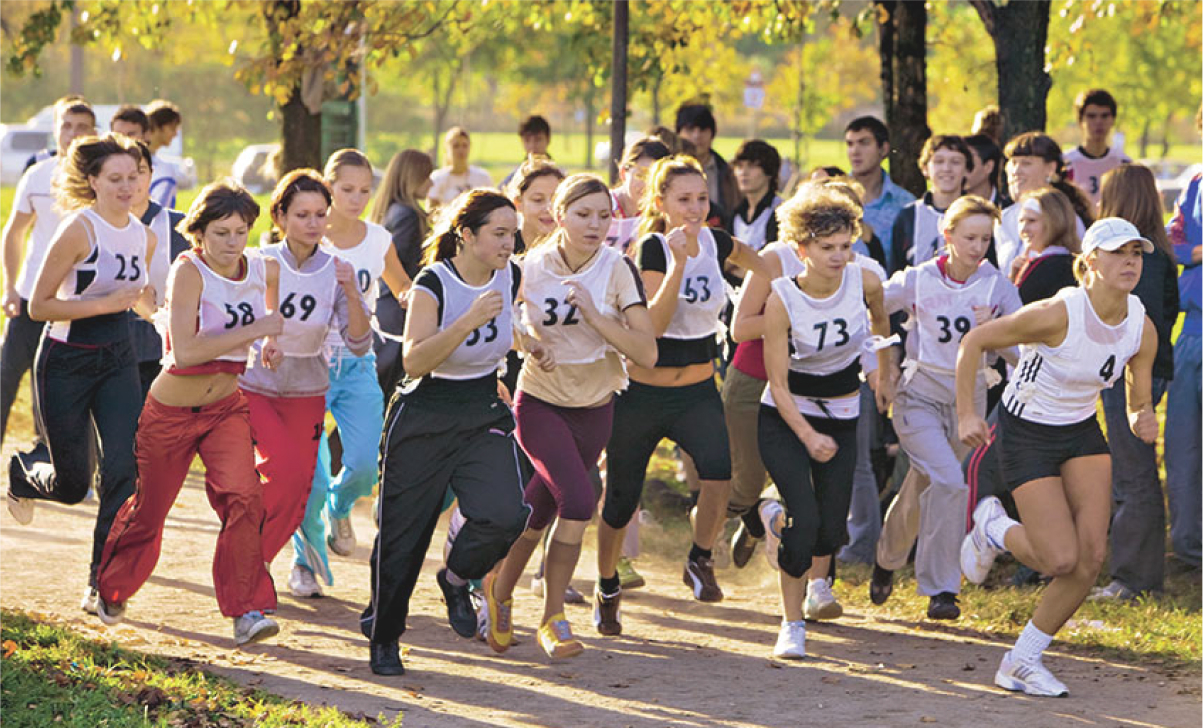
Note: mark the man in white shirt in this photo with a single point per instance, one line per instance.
(33, 212)
(448, 182)
(165, 122)
(1096, 110)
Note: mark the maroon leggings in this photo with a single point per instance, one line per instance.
(563, 444)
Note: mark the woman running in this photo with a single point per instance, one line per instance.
(1137, 561)
(944, 298)
(398, 207)
(1054, 454)
(681, 262)
(583, 301)
(815, 326)
(449, 427)
(354, 397)
(218, 298)
(319, 293)
(86, 381)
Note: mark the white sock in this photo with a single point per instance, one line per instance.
(455, 579)
(1031, 644)
(821, 582)
(996, 530)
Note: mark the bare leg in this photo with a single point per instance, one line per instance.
(711, 512)
(563, 552)
(793, 591)
(609, 547)
(512, 566)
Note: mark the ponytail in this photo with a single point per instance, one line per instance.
(661, 175)
(470, 210)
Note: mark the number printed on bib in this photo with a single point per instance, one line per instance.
(552, 308)
(244, 314)
(840, 329)
(127, 272)
(490, 335)
(961, 324)
(288, 309)
(696, 289)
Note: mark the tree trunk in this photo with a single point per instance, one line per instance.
(618, 85)
(1020, 32)
(301, 132)
(1144, 139)
(902, 27)
(590, 115)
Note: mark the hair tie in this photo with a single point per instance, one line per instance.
(1031, 204)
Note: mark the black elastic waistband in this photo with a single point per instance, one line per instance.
(839, 383)
(107, 328)
(430, 388)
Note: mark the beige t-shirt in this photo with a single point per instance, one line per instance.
(585, 385)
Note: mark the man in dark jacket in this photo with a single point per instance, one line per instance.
(695, 122)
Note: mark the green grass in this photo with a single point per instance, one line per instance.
(52, 676)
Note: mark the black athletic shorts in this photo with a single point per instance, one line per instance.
(1031, 451)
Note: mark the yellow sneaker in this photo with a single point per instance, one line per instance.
(628, 578)
(500, 633)
(555, 637)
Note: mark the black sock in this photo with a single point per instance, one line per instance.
(697, 552)
(752, 522)
(609, 585)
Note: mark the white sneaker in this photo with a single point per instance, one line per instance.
(254, 627)
(820, 603)
(977, 553)
(21, 509)
(88, 603)
(302, 584)
(342, 537)
(1031, 678)
(109, 613)
(791, 641)
(536, 586)
(772, 515)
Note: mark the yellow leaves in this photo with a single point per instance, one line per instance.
(9, 648)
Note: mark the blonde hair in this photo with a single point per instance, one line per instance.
(967, 206)
(817, 210)
(533, 168)
(84, 160)
(854, 191)
(659, 178)
(344, 158)
(407, 172)
(1082, 266)
(572, 189)
(1058, 217)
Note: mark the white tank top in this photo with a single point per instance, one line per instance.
(306, 303)
(945, 315)
(225, 304)
(160, 264)
(622, 232)
(928, 240)
(555, 323)
(703, 293)
(1060, 385)
(753, 233)
(791, 264)
(117, 261)
(367, 258)
(826, 334)
(485, 348)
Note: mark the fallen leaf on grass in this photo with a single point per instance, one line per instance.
(9, 648)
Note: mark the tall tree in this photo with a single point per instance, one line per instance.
(618, 85)
(1020, 34)
(901, 27)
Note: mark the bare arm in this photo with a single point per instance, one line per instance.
(188, 346)
(634, 340)
(1139, 383)
(879, 323)
(743, 256)
(145, 305)
(395, 277)
(70, 246)
(357, 336)
(425, 345)
(748, 323)
(14, 239)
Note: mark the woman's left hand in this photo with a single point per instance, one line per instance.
(1144, 424)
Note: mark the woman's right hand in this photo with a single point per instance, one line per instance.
(271, 325)
(484, 309)
(678, 244)
(820, 447)
(120, 300)
(973, 431)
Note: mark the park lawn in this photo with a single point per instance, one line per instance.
(53, 676)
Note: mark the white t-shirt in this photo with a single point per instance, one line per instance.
(35, 195)
(1087, 171)
(446, 186)
(164, 180)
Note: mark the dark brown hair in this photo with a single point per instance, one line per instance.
(1130, 191)
(84, 160)
(217, 201)
(1037, 144)
(470, 210)
(305, 179)
(531, 170)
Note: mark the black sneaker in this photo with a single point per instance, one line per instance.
(386, 658)
(943, 606)
(460, 613)
(699, 576)
(881, 585)
(743, 545)
(607, 616)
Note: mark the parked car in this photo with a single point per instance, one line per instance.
(19, 142)
(255, 167)
(1172, 187)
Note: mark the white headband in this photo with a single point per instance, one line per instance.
(1031, 204)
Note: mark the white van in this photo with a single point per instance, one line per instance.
(19, 142)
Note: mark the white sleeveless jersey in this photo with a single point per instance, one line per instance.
(225, 304)
(703, 293)
(945, 314)
(623, 231)
(791, 264)
(753, 233)
(554, 322)
(306, 303)
(367, 258)
(928, 241)
(117, 261)
(160, 263)
(485, 348)
(826, 334)
(1060, 385)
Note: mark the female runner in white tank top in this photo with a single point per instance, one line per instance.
(447, 427)
(354, 397)
(86, 382)
(584, 302)
(218, 298)
(816, 325)
(318, 294)
(681, 262)
(944, 298)
(1054, 456)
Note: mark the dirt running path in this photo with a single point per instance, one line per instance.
(680, 663)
